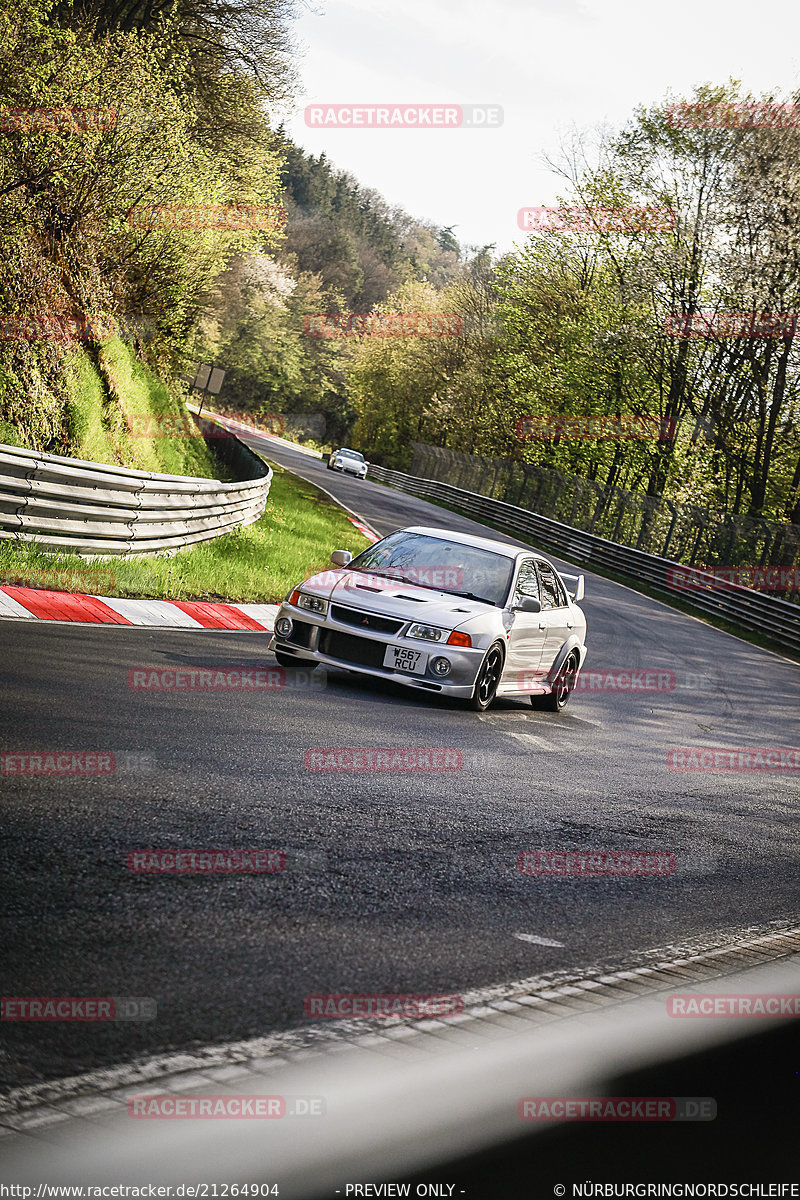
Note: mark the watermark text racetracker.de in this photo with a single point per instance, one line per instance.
(620, 428)
(259, 861)
(761, 579)
(56, 118)
(77, 1008)
(382, 324)
(174, 425)
(404, 116)
(221, 217)
(596, 862)
(576, 219)
(733, 115)
(62, 580)
(338, 1006)
(767, 1004)
(731, 325)
(392, 758)
(63, 328)
(617, 1108)
(224, 679)
(726, 758)
(184, 425)
(617, 680)
(270, 423)
(58, 762)
(432, 576)
(224, 1107)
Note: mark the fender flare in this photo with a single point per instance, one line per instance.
(572, 643)
(496, 641)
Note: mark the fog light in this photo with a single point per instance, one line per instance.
(283, 626)
(441, 666)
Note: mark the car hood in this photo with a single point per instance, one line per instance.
(395, 598)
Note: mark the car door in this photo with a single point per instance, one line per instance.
(556, 614)
(527, 634)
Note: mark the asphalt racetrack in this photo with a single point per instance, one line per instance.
(394, 881)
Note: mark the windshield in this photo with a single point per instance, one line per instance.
(453, 567)
(352, 454)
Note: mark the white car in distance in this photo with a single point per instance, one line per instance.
(350, 461)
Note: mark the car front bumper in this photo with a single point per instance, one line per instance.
(350, 471)
(342, 647)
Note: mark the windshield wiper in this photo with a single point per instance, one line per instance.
(472, 596)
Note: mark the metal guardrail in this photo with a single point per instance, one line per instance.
(693, 534)
(776, 618)
(90, 508)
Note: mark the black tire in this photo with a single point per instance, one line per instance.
(287, 660)
(563, 687)
(488, 678)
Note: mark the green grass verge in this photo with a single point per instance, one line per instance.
(111, 409)
(258, 564)
(117, 416)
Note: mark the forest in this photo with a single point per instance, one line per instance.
(656, 355)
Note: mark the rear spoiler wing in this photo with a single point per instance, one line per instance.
(574, 586)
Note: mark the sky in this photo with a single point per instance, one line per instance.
(553, 66)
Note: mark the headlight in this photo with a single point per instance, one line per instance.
(426, 633)
(283, 626)
(313, 604)
(441, 666)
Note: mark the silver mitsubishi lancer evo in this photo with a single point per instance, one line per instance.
(443, 611)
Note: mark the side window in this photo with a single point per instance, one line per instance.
(553, 595)
(527, 579)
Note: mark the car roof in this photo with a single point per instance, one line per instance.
(467, 539)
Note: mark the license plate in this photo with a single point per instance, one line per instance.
(401, 659)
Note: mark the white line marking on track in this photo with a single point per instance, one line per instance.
(535, 940)
(528, 739)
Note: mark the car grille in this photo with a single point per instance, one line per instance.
(351, 649)
(351, 616)
(301, 633)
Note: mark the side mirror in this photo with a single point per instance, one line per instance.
(340, 558)
(528, 604)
